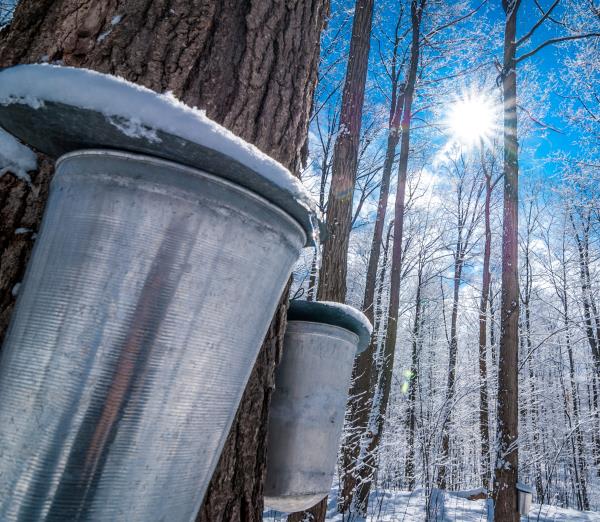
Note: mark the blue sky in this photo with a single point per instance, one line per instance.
(539, 143)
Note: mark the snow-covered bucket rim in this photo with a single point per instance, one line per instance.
(59, 109)
(524, 488)
(335, 314)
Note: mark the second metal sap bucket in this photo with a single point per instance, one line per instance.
(149, 292)
(307, 410)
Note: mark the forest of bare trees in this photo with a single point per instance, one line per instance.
(453, 148)
(481, 277)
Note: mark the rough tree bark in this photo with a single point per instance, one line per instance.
(362, 389)
(251, 64)
(334, 264)
(505, 477)
(332, 276)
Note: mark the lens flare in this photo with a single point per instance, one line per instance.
(472, 119)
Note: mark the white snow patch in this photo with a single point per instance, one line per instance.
(19, 231)
(16, 157)
(102, 36)
(15, 289)
(119, 100)
(467, 493)
(134, 128)
(406, 506)
(115, 20)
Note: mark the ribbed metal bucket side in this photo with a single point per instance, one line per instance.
(307, 414)
(147, 297)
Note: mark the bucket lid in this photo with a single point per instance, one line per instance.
(335, 314)
(524, 488)
(58, 110)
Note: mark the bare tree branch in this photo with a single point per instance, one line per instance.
(455, 21)
(556, 40)
(538, 23)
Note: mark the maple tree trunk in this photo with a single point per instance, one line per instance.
(452, 356)
(252, 66)
(368, 467)
(332, 276)
(506, 470)
(362, 388)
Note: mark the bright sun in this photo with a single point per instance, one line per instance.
(472, 120)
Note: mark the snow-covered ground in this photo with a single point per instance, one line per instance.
(405, 506)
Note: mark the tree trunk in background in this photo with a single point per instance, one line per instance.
(532, 409)
(467, 215)
(362, 388)
(493, 347)
(332, 276)
(325, 168)
(591, 327)
(452, 356)
(505, 478)
(368, 467)
(252, 65)
(579, 462)
(380, 312)
(334, 264)
(589, 306)
(579, 456)
(413, 375)
(485, 292)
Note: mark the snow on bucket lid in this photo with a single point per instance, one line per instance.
(524, 488)
(63, 109)
(335, 314)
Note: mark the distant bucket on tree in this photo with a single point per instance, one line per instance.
(308, 405)
(525, 496)
(149, 292)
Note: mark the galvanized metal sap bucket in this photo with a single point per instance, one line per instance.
(307, 409)
(149, 292)
(524, 497)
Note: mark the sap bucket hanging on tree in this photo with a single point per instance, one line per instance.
(156, 273)
(307, 410)
(525, 495)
